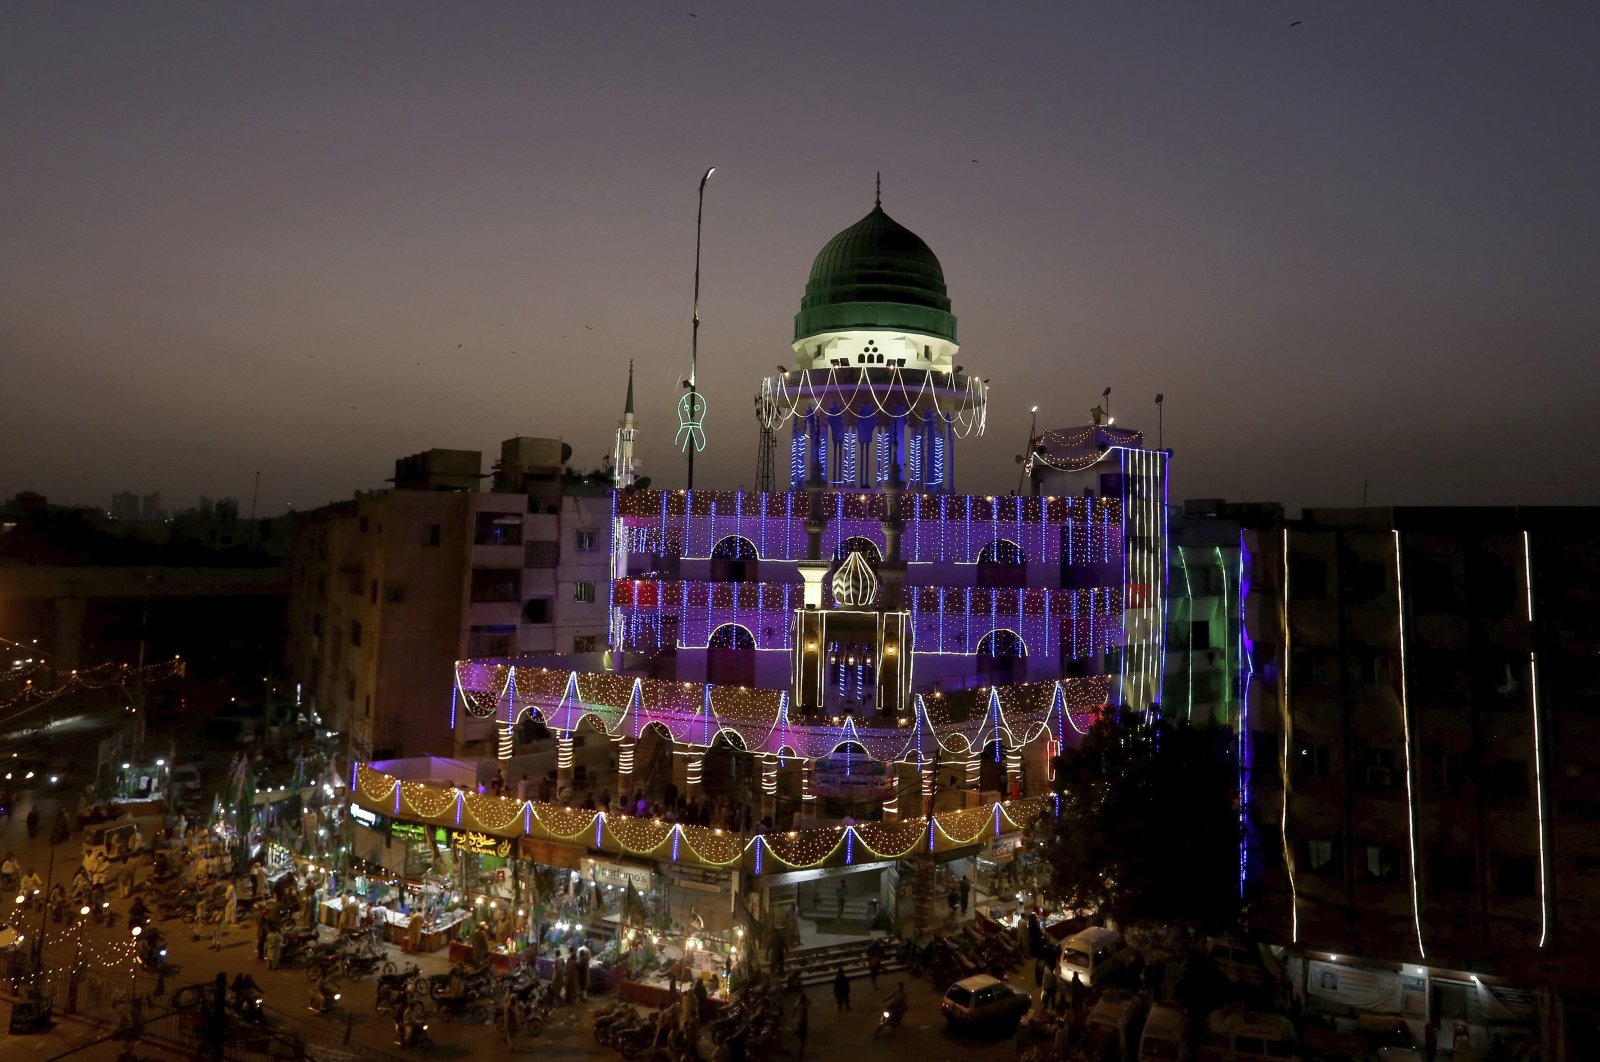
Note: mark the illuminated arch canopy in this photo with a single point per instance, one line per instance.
(1003, 644)
(731, 636)
(734, 547)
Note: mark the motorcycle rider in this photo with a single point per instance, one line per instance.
(138, 913)
(409, 1022)
(246, 996)
(895, 1004)
(32, 886)
(322, 996)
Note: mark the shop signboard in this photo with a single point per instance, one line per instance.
(366, 817)
(606, 872)
(1002, 849)
(409, 831)
(697, 879)
(480, 843)
(853, 777)
(549, 854)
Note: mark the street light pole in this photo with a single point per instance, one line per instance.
(695, 436)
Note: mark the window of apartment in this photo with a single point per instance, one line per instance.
(496, 584)
(1266, 747)
(316, 624)
(1381, 862)
(1378, 669)
(1312, 761)
(394, 593)
(498, 529)
(430, 535)
(583, 643)
(1514, 875)
(1508, 779)
(1376, 766)
(1442, 769)
(541, 554)
(583, 592)
(1451, 867)
(1367, 579)
(491, 639)
(537, 610)
(586, 541)
(1321, 856)
(355, 632)
(1308, 578)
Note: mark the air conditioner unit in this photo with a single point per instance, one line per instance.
(1380, 776)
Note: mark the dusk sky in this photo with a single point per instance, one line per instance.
(306, 239)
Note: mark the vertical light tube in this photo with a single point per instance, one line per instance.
(1538, 745)
(1283, 758)
(1405, 720)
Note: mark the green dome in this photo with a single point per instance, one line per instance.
(876, 274)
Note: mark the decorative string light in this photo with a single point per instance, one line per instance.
(1405, 723)
(1538, 751)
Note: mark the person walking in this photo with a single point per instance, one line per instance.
(1430, 1040)
(953, 899)
(261, 937)
(841, 990)
(1076, 991)
(480, 946)
(840, 892)
(583, 972)
(802, 1020)
(33, 822)
(274, 948)
(218, 930)
(966, 892)
(874, 962)
(230, 904)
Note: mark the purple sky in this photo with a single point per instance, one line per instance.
(1362, 247)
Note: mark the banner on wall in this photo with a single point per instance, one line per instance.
(1374, 990)
(852, 778)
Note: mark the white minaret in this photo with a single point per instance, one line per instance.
(623, 469)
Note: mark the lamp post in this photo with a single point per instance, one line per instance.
(133, 977)
(1161, 422)
(1026, 456)
(76, 973)
(694, 436)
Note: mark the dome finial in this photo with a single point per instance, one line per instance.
(877, 192)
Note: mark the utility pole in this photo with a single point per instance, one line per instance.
(689, 428)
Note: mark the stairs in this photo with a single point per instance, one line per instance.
(818, 965)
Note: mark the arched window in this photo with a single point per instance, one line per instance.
(733, 560)
(731, 636)
(1002, 551)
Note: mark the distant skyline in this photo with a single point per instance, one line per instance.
(307, 239)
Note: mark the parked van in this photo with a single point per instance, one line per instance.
(1250, 1036)
(1092, 954)
(1166, 1035)
(1113, 1019)
(1237, 960)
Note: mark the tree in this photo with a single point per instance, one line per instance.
(1149, 823)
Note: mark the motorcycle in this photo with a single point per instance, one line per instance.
(890, 1021)
(324, 997)
(152, 950)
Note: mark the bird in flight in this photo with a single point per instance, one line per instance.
(589, 327)
(1296, 22)
(458, 346)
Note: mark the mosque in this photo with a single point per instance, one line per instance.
(842, 676)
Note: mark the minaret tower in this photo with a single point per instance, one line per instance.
(624, 470)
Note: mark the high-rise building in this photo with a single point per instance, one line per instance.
(393, 587)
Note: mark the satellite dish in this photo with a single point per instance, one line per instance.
(566, 452)
(642, 483)
(1018, 459)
